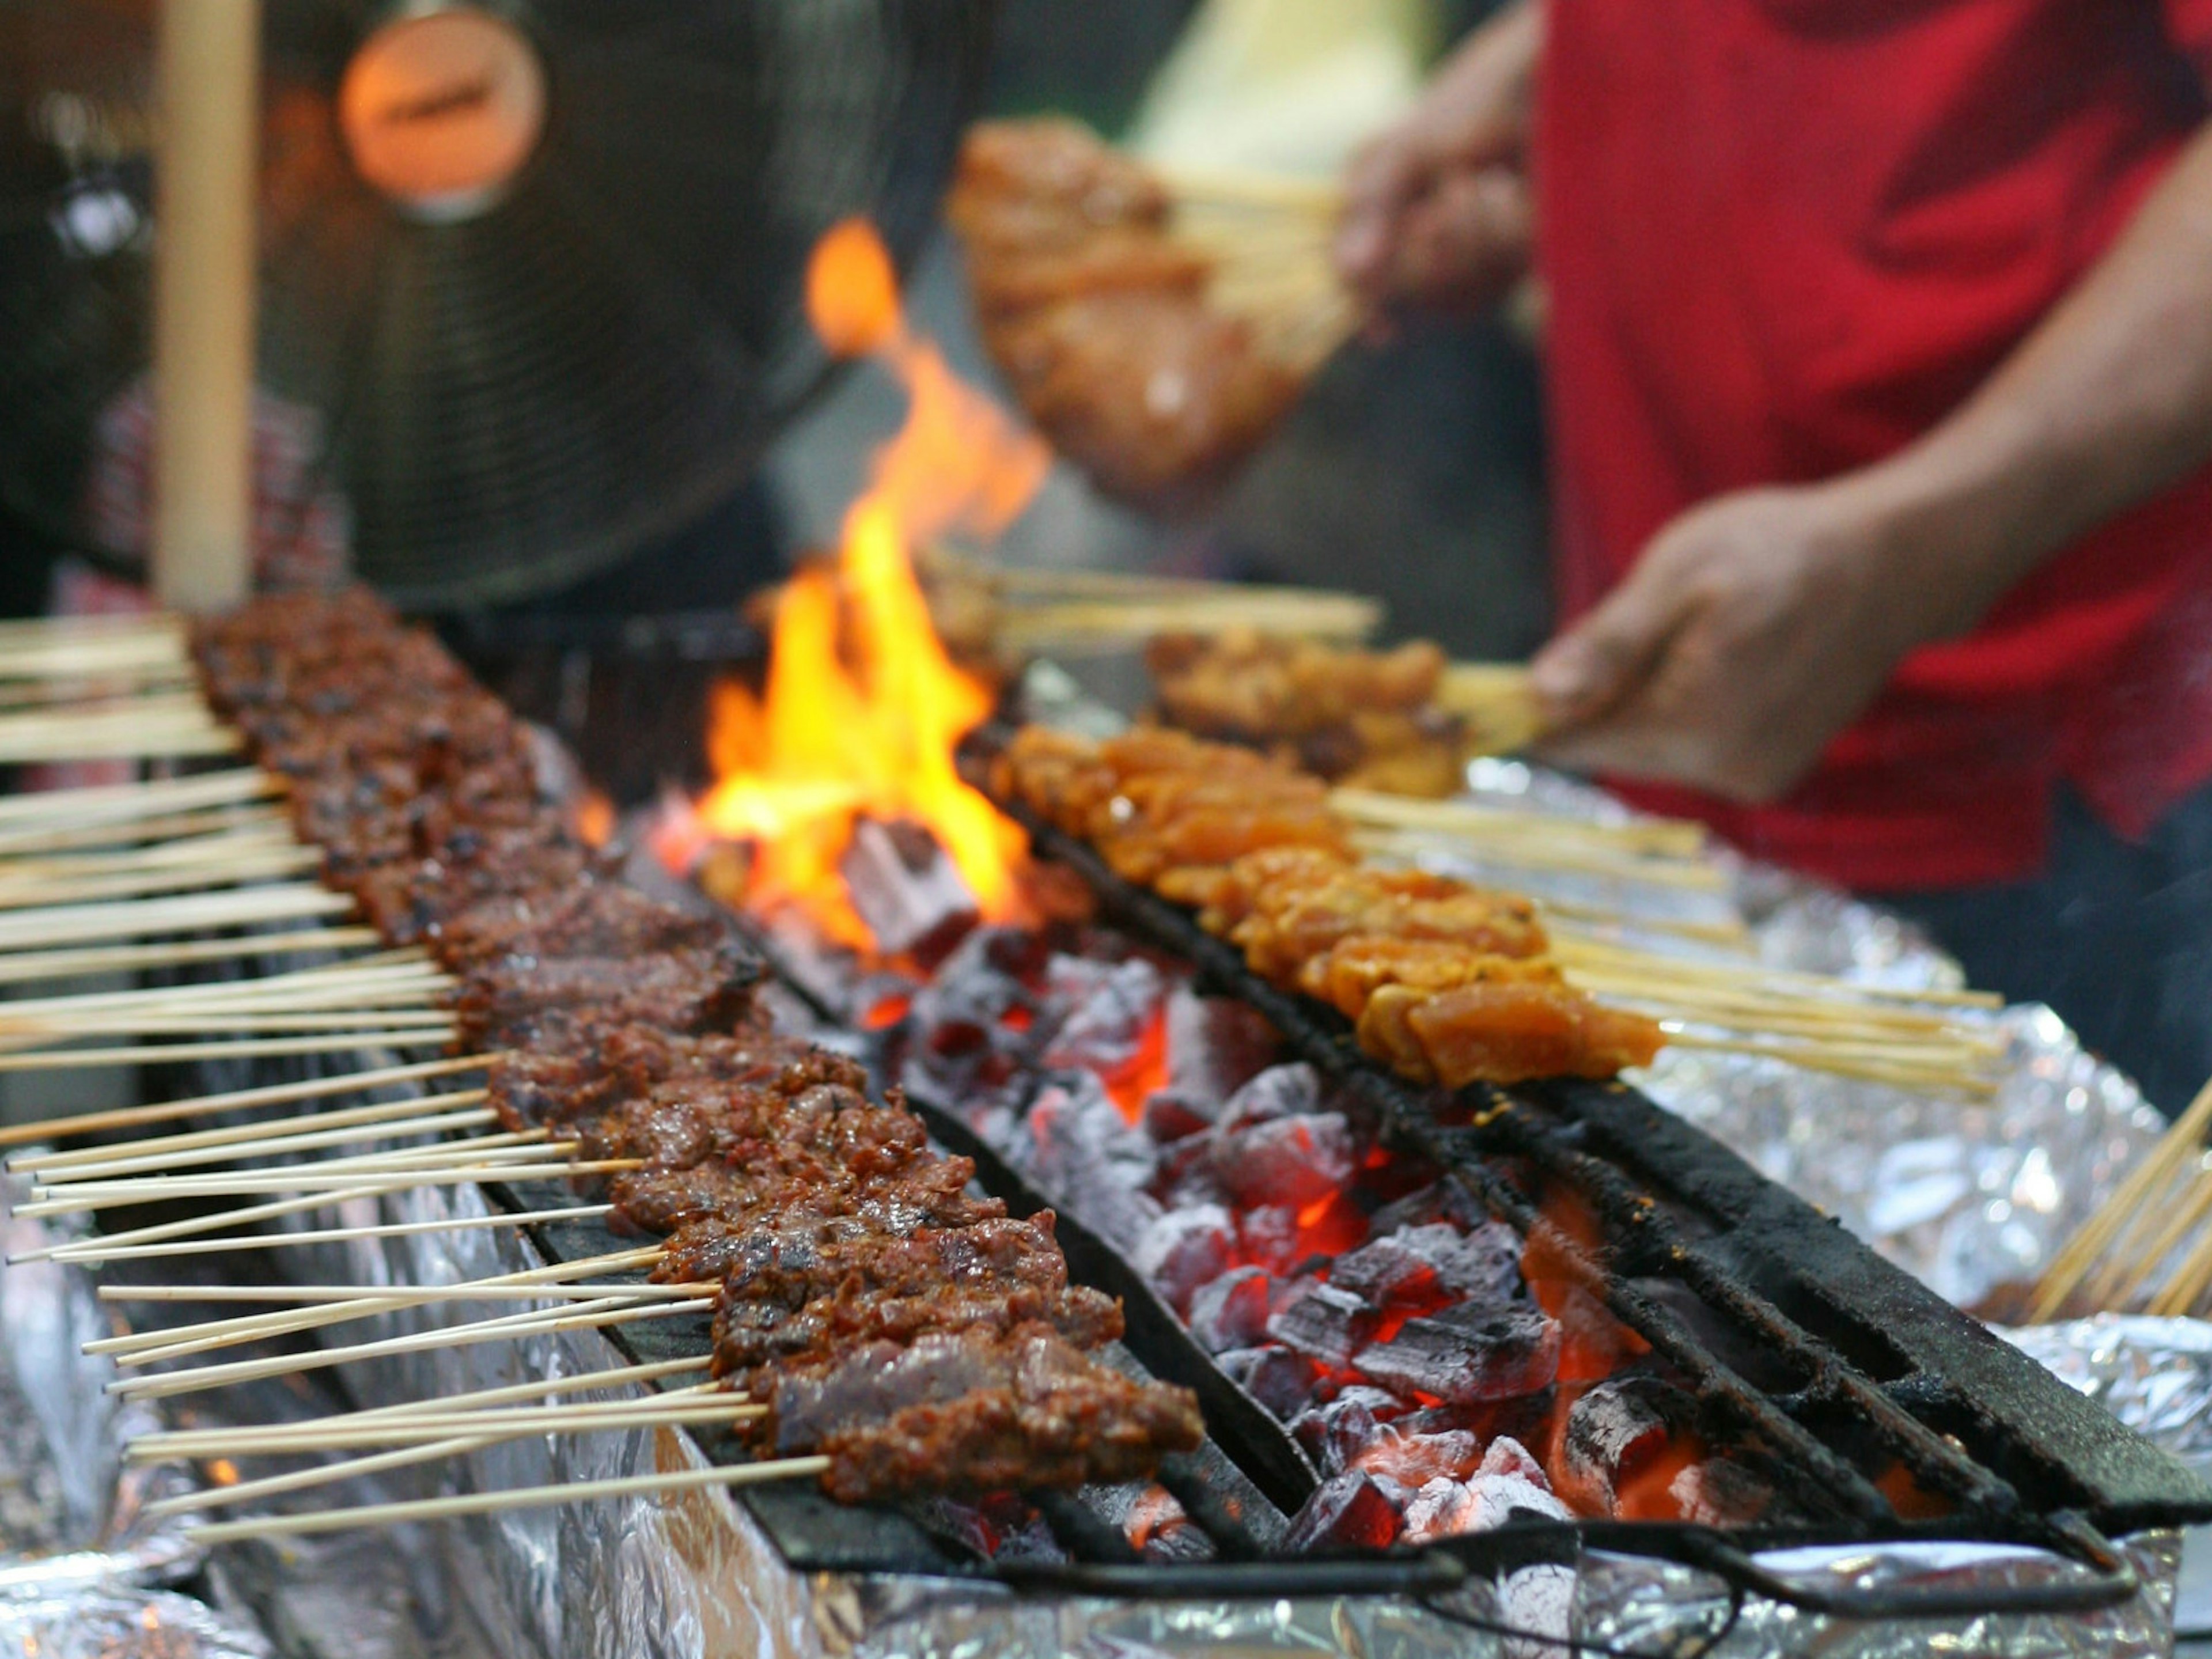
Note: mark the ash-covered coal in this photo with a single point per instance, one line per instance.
(1440, 1376)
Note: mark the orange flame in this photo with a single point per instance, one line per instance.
(863, 709)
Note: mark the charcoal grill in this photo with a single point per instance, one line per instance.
(1709, 1262)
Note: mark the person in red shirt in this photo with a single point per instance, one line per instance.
(1878, 350)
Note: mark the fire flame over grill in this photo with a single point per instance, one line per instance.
(862, 708)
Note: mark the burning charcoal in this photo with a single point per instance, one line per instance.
(1349, 1511)
(1481, 1264)
(907, 888)
(1104, 1008)
(1183, 1178)
(1282, 1379)
(1215, 1046)
(1078, 1147)
(1171, 1115)
(1292, 1091)
(1441, 1508)
(1296, 1160)
(1329, 1323)
(1417, 1458)
(1468, 1354)
(1616, 1428)
(1440, 1200)
(1594, 1345)
(1231, 1312)
(1499, 1498)
(972, 989)
(1184, 1249)
(1335, 1434)
(1506, 1455)
(1157, 1528)
(1719, 1494)
(1269, 1236)
(1392, 1272)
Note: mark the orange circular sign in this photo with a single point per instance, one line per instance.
(442, 109)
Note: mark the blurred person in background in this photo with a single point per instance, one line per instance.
(1878, 344)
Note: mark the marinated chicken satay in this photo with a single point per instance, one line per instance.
(1353, 969)
(1251, 685)
(1153, 394)
(1115, 261)
(1047, 183)
(1502, 1032)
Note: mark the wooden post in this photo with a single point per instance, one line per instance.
(204, 302)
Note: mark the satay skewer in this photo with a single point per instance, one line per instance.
(97, 1251)
(279, 1146)
(514, 1497)
(270, 1094)
(346, 1042)
(174, 1339)
(297, 1440)
(610, 1311)
(304, 1182)
(274, 1134)
(123, 803)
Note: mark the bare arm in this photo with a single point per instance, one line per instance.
(1757, 626)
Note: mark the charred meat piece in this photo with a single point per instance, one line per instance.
(976, 1411)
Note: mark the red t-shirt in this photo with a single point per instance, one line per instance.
(1782, 238)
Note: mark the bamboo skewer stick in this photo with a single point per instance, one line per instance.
(34, 966)
(21, 847)
(271, 1093)
(87, 924)
(97, 1251)
(122, 803)
(267, 863)
(108, 850)
(516, 1497)
(177, 1339)
(283, 1147)
(1665, 838)
(2114, 1228)
(388, 1298)
(97, 1195)
(406, 971)
(245, 1048)
(241, 1139)
(294, 1440)
(512, 1147)
(194, 1226)
(591, 1315)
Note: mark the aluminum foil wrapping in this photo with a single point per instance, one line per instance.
(2154, 1374)
(72, 1510)
(113, 1622)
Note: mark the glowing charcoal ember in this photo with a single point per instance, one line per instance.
(1481, 1264)
(1292, 1091)
(907, 888)
(1614, 1430)
(1271, 1237)
(1442, 1507)
(1104, 1009)
(1414, 1460)
(1329, 1323)
(1231, 1312)
(1171, 1115)
(1439, 1201)
(1348, 1511)
(1215, 1045)
(1392, 1272)
(1718, 1493)
(1184, 1249)
(1594, 1345)
(1296, 1160)
(1469, 1354)
(1157, 1527)
(1499, 1498)
(1282, 1379)
(1506, 1455)
(1335, 1433)
(1078, 1147)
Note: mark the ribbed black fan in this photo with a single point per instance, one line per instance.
(510, 400)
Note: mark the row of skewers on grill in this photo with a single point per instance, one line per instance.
(387, 999)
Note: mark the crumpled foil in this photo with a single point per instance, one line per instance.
(72, 1510)
(113, 1622)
